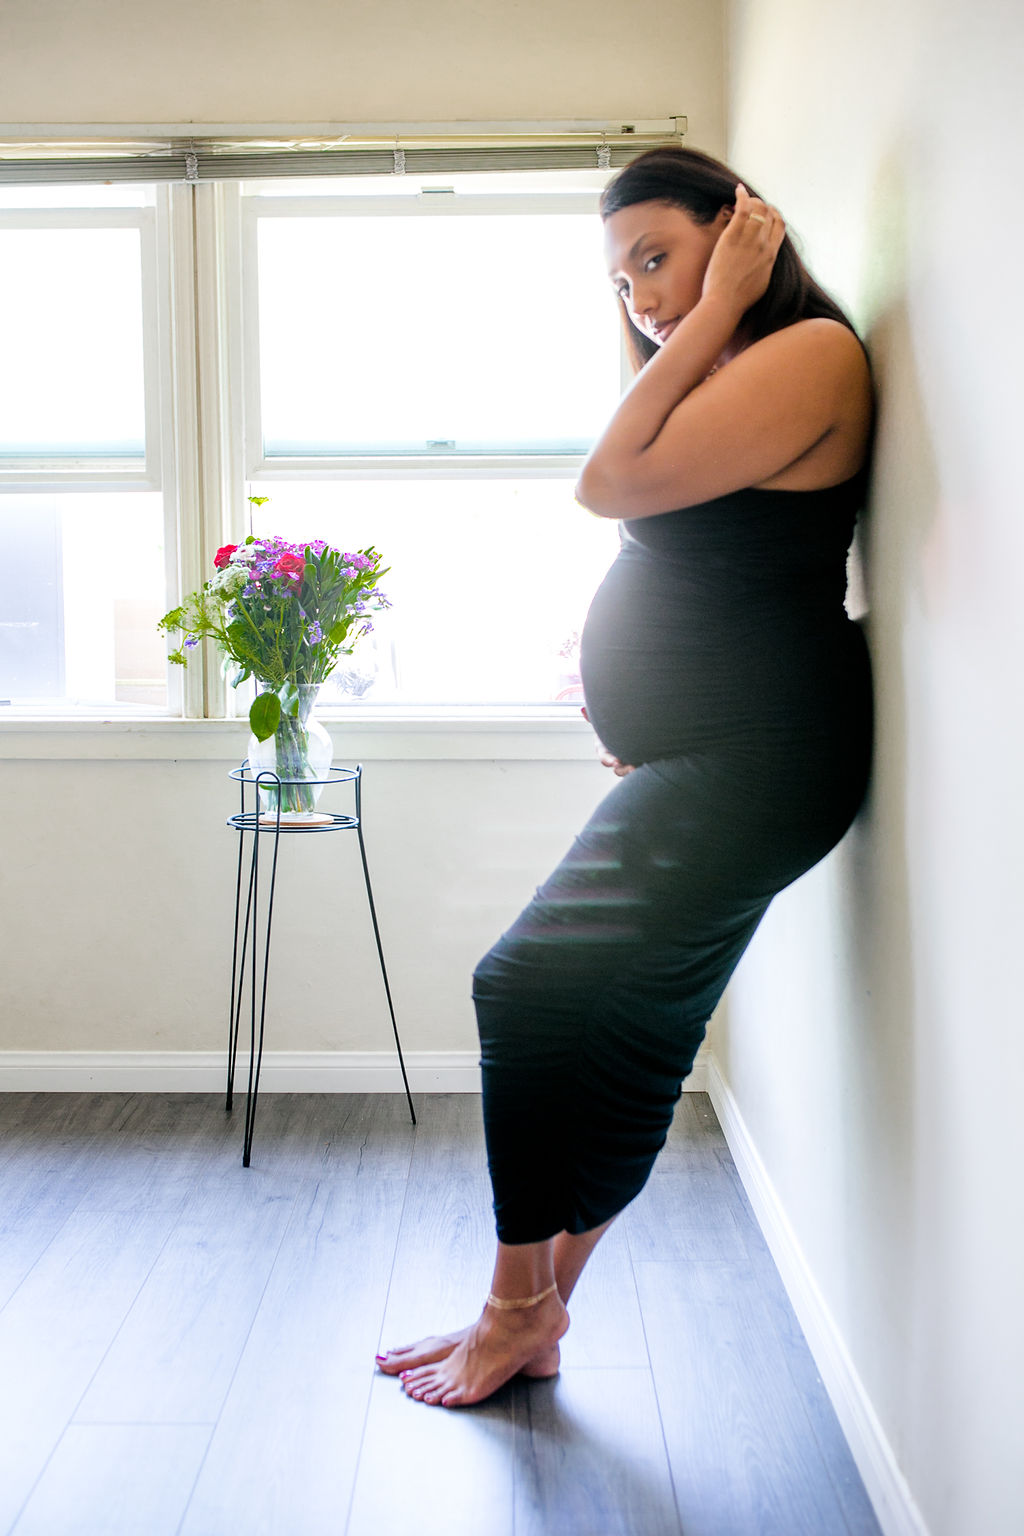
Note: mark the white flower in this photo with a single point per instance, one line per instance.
(245, 554)
(230, 580)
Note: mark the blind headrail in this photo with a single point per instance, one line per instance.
(198, 159)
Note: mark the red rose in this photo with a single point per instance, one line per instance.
(223, 555)
(292, 566)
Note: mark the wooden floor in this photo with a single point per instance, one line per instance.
(186, 1347)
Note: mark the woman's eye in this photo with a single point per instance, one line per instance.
(652, 261)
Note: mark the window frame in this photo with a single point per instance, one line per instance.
(172, 432)
(57, 472)
(201, 419)
(437, 203)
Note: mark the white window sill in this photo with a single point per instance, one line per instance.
(363, 735)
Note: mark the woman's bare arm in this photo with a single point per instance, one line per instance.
(775, 403)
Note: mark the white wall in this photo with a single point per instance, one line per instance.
(209, 61)
(875, 1047)
(116, 877)
(119, 885)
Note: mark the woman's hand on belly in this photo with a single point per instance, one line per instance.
(608, 759)
(619, 769)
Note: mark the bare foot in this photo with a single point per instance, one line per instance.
(486, 1355)
(440, 1345)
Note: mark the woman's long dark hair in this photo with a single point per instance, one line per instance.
(702, 186)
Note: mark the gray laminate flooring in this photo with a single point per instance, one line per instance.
(186, 1346)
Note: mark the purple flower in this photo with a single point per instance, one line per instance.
(190, 642)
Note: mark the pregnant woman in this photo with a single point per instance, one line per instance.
(732, 694)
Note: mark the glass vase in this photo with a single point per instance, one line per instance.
(299, 753)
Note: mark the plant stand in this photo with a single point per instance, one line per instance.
(245, 945)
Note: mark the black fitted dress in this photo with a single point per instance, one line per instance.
(718, 658)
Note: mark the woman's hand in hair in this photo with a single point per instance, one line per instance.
(741, 263)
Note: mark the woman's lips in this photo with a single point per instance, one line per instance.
(664, 330)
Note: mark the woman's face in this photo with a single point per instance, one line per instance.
(657, 256)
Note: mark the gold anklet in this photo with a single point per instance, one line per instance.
(520, 1301)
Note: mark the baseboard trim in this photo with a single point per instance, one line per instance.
(281, 1072)
(886, 1486)
(205, 1072)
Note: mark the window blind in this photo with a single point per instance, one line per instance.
(197, 160)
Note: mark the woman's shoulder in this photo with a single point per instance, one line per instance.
(817, 337)
(820, 355)
(824, 361)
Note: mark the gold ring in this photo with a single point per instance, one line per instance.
(757, 218)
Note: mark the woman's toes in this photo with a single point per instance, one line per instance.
(418, 1382)
(388, 1362)
(394, 1361)
(424, 1352)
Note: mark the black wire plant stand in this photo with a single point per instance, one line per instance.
(260, 824)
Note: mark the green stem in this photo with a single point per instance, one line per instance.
(291, 757)
(292, 741)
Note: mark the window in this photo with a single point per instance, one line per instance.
(83, 503)
(438, 324)
(418, 362)
(426, 371)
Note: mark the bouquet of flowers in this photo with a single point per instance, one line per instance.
(282, 613)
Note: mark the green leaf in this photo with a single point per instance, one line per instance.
(289, 696)
(265, 715)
